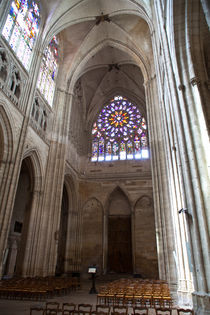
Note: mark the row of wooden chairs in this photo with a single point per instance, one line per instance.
(54, 308)
(137, 293)
(38, 288)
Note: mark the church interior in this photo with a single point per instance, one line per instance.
(104, 143)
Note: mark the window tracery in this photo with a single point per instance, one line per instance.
(48, 71)
(40, 115)
(119, 133)
(21, 28)
(3, 66)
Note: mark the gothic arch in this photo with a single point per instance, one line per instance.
(143, 201)
(67, 257)
(132, 9)
(27, 264)
(132, 52)
(71, 190)
(7, 138)
(6, 153)
(111, 193)
(33, 159)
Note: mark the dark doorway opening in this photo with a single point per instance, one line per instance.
(119, 244)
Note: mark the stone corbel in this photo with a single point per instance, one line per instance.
(195, 81)
(181, 87)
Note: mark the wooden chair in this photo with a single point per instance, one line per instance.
(52, 311)
(129, 297)
(138, 298)
(98, 313)
(68, 308)
(103, 308)
(111, 296)
(119, 295)
(85, 308)
(101, 296)
(163, 311)
(37, 310)
(123, 310)
(138, 310)
(51, 308)
(182, 311)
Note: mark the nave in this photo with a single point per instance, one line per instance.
(81, 295)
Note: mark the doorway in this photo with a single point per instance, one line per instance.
(119, 244)
(20, 221)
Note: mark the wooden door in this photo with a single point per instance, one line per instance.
(119, 244)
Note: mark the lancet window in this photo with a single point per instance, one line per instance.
(21, 28)
(119, 133)
(48, 71)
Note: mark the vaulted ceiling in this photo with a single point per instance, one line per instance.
(104, 44)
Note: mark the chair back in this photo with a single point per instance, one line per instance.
(84, 308)
(117, 309)
(163, 311)
(68, 308)
(138, 310)
(52, 305)
(182, 311)
(103, 308)
(37, 310)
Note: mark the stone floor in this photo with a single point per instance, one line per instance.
(16, 307)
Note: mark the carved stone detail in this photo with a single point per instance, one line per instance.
(40, 116)
(181, 87)
(195, 81)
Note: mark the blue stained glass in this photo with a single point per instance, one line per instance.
(21, 28)
(48, 71)
(118, 122)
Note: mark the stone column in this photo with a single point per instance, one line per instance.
(190, 131)
(16, 145)
(162, 203)
(54, 180)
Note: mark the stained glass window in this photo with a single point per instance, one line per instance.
(48, 71)
(119, 133)
(21, 28)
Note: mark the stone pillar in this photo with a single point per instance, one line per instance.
(54, 180)
(15, 141)
(190, 131)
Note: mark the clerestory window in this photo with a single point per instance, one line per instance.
(48, 71)
(119, 133)
(21, 28)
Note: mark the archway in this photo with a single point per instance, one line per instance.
(119, 234)
(20, 221)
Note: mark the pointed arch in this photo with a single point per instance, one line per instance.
(70, 185)
(7, 138)
(6, 151)
(120, 189)
(33, 160)
(133, 52)
(26, 257)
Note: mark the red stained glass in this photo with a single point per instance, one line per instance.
(21, 28)
(120, 125)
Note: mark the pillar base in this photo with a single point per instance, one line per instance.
(201, 303)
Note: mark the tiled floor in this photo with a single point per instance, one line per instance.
(11, 307)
